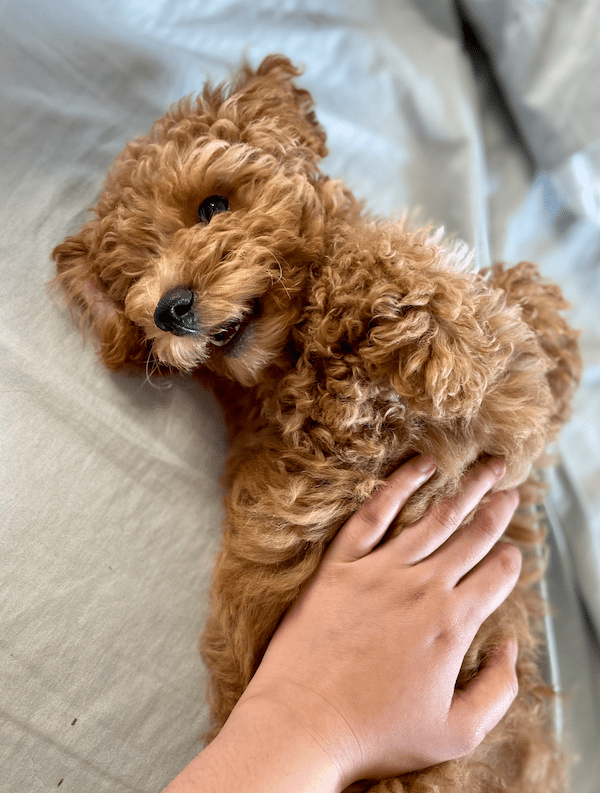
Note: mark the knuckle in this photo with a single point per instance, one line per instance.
(444, 636)
(448, 628)
(370, 516)
(487, 524)
(445, 515)
(509, 558)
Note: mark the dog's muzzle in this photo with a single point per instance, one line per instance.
(174, 312)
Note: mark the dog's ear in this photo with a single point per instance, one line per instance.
(121, 343)
(271, 110)
(447, 372)
(445, 343)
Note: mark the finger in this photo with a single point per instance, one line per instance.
(477, 708)
(423, 538)
(361, 533)
(471, 543)
(489, 584)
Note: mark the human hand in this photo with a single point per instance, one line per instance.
(366, 660)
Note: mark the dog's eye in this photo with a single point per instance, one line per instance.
(212, 206)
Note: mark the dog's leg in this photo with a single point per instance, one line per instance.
(248, 601)
(282, 510)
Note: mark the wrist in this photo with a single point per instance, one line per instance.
(318, 726)
(263, 746)
(294, 747)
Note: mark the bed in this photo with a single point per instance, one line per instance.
(483, 117)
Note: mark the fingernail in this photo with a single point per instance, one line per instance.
(498, 467)
(426, 465)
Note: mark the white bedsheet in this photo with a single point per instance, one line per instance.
(110, 505)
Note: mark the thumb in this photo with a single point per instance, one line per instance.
(479, 706)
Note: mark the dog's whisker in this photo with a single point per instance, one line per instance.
(280, 279)
(151, 369)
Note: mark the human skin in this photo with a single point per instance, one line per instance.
(359, 679)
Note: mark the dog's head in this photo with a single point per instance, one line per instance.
(204, 232)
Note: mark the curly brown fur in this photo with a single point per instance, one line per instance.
(360, 344)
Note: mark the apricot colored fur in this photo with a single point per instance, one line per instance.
(373, 342)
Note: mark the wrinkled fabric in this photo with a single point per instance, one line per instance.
(110, 505)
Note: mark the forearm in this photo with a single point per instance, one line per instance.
(260, 750)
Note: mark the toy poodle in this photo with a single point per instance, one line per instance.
(338, 346)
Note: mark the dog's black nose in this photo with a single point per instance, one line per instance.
(174, 312)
